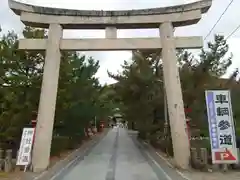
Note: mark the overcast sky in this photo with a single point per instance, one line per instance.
(111, 60)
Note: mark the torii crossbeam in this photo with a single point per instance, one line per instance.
(164, 19)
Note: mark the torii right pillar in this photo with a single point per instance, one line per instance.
(181, 147)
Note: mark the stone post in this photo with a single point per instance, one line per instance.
(174, 97)
(1, 159)
(46, 111)
(194, 157)
(8, 161)
(204, 157)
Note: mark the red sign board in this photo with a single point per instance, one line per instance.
(224, 156)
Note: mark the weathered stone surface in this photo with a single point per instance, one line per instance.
(111, 44)
(17, 7)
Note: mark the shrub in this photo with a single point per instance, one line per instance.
(59, 144)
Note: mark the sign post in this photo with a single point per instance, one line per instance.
(24, 153)
(221, 127)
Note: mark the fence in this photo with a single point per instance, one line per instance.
(7, 163)
(201, 159)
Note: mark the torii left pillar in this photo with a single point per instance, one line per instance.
(46, 111)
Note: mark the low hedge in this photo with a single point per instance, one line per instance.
(59, 144)
(63, 143)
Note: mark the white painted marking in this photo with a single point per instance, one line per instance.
(65, 167)
(60, 171)
(180, 173)
(58, 163)
(168, 163)
(37, 177)
(183, 175)
(158, 165)
(70, 163)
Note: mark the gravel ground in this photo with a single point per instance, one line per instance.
(212, 176)
(20, 175)
(196, 175)
(17, 176)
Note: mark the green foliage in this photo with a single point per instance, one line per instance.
(213, 60)
(140, 89)
(200, 74)
(80, 96)
(59, 144)
(20, 77)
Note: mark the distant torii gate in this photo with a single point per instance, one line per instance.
(165, 19)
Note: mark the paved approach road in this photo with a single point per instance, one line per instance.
(117, 157)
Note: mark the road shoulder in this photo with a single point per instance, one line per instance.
(158, 164)
(64, 164)
(166, 164)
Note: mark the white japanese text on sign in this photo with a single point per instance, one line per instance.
(221, 127)
(24, 153)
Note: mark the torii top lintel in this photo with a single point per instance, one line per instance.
(180, 15)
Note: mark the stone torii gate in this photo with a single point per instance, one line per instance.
(164, 19)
